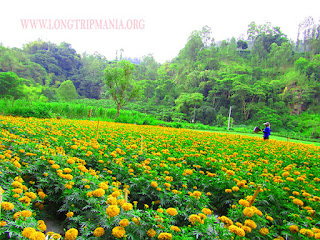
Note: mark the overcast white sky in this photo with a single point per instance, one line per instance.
(167, 23)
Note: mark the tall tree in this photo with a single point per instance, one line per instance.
(10, 85)
(263, 36)
(67, 91)
(117, 77)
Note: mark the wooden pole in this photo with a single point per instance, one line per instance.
(254, 196)
(0, 200)
(97, 135)
(141, 143)
(126, 195)
(229, 118)
(90, 111)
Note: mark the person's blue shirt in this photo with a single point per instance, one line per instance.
(266, 132)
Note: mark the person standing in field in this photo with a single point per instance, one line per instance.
(266, 131)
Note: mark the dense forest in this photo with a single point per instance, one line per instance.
(263, 76)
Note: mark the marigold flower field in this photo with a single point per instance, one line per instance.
(121, 181)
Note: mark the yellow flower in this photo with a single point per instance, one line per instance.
(37, 236)
(7, 206)
(71, 234)
(298, 202)
(306, 232)
(103, 186)
(113, 210)
(230, 172)
(98, 232)
(135, 220)
(160, 210)
(55, 166)
(116, 194)
(69, 214)
(193, 218)
(42, 226)
(196, 194)
(124, 222)
(226, 220)
(172, 211)
(56, 236)
(154, 184)
(244, 203)
(246, 229)
(127, 206)
(112, 200)
(3, 223)
(187, 172)
(235, 188)
(26, 213)
(175, 228)
(151, 233)
(165, 236)
(207, 211)
(264, 231)
(228, 190)
(248, 211)
(269, 218)
(28, 231)
(237, 230)
(118, 232)
(99, 192)
(16, 215)
(250, 224)
(17, 190)
(31, 195)
(42, 195)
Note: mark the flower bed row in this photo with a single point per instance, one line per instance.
(114, 181)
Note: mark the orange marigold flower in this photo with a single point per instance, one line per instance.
(194, 219)
(264, 231)
(26, 213)
(250, 224)
(127, 206)
(306, 232)
(248, 211)
(99, 192)
(135, 220)
(26, 232)
(165, 236)
(37, 236)
(172, 211)
(98, 232)
(175, 228)
(71, 234)
(154, 184)
(235, 189)
(69, 214)
(244, 203)
(151, 233)
(298, 202)
(113, 210)
(207, 211)
(237, 230)
(124, 222)
(7, 206)
(118, 232)
(226, 220)
(42, 226)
